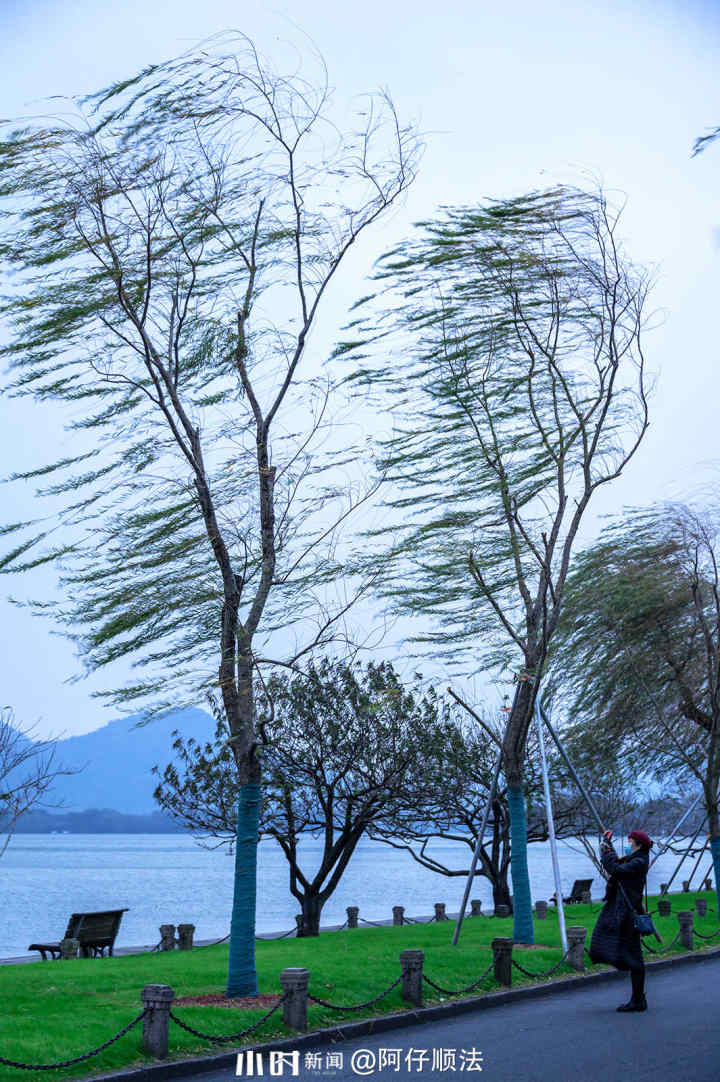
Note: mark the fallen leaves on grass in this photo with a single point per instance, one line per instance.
(216, 999)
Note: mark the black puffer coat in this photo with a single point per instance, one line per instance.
(614, 940)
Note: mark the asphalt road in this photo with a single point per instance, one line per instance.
(573, 1036)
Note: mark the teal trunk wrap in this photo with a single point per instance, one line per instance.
(523, 931)
(242, 976)
(715, 850)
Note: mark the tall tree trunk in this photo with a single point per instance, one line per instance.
(523, 931)
(242, 976)
(311, 910)
(513, 757)
(714, 828)
(715, 850)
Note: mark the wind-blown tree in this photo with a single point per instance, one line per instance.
(507, 339)
(342, 749)
(637, 654)
(172, 243)
(28, 769)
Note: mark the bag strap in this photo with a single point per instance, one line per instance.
(630, 906)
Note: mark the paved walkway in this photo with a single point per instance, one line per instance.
(573, 1036)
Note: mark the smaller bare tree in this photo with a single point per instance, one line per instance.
(27, 772)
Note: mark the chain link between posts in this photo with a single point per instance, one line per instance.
(75, 1059)
(545, 972)
(458, 991)
(231, 1036)
(355, 1006)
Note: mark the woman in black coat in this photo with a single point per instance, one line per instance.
(615, 940)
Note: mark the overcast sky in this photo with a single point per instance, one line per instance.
(511, 97)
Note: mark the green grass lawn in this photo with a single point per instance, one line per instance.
(56, 1010)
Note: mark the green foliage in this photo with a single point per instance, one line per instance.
(168, 244)
(505, 341)
(637, 646)
(341, 747)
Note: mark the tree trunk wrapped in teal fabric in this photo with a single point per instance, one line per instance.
(715, 850)
(523, 930)
(242, 978)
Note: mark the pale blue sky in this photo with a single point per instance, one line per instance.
(511, 97)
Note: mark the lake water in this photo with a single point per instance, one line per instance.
(169, 879)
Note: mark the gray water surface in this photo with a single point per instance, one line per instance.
(169, 879)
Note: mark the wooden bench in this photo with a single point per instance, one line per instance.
(95, 932)
(580, 886)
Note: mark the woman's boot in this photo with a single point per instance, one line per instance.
(638, 1001)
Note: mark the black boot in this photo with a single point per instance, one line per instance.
(632, 1005)
(638, 1001)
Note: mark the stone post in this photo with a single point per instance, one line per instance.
(502, 910)
(685, 917)
(502, 960)
(576, 946)
(185, 936)
(541, 910)
(167, 938)
(69, 948)
(352, 915)
(686, 886)
(294, 984)
(398, 914)
(440, 913)
(298, 924)
(475, 907)
(664, 907)
(663, 888)
(411, 963)
(157, 999)
(707, 885)
(701, 906)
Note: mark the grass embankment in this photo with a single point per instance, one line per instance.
(53, 1011)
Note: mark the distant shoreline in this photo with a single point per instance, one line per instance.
(95, 821)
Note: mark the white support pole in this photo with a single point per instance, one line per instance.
(685, 855)
(665, 846)
(551, 831)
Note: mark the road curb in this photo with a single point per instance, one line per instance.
(157, 1072)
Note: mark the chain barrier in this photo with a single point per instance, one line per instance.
(204, 946)
(76, 1059)
(458, 991)
(375, 923)
(355, 1006)
(701, 936)
(660, 950)
(545, 973)
(230, 1036)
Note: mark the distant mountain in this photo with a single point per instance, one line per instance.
(115, 761)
